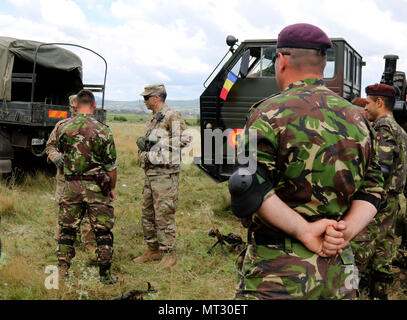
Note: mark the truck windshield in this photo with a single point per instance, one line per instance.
(329, 71)
(263, 67)
(261, 64)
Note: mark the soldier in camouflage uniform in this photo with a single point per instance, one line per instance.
(159, 156)
(88, 152)
(316, 165)
(374, 247)
(54, 156)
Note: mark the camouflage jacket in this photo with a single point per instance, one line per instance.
(164, 157)
(320, 144)
(87, 145)
(392, 140)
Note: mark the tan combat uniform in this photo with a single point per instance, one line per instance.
(161, 164)
(87, 235)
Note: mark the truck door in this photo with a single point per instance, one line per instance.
(229, 115)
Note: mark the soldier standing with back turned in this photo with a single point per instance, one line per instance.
(56, 157)
(317, 171)
(90, 170)
(159, 156)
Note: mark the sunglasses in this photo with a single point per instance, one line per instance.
(275, 55)
(148, 97)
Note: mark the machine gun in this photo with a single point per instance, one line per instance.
(135, 294)
(234, 240)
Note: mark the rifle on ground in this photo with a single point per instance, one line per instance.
(235, 241)
(135, 294)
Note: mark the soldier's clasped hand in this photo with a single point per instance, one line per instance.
(59, 161)
(335, 239)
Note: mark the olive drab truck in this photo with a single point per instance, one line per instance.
(36, 80)
(247, 77)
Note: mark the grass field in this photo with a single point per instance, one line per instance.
(28, 218)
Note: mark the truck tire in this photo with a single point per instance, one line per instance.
(6, 155)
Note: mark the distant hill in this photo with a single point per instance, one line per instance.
(186, 107)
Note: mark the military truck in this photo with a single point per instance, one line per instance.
(250, 65)
(36, 80)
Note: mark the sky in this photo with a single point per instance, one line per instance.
(179, 42)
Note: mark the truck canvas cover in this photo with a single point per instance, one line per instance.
(49, 56)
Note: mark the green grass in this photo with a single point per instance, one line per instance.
(28, 218)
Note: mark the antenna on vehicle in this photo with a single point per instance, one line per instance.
(231, 42)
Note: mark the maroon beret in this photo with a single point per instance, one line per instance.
(304, 36)
(381, 89)
(361, 102)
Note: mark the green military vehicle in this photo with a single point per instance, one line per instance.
(250, 68)
(36, 80)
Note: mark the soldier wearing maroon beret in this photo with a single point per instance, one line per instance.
(360, 102)
(328, 185)
(374, 246)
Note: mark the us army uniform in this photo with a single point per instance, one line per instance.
(375, 246)
(321, 149)
(87, 235)
(161, 164)
(88, 148)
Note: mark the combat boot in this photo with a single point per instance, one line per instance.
(149, 255)
(168, 261)
(105, 274)
(63, 270)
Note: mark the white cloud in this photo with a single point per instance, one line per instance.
(62, 13)
(181, 41)
(162, 76)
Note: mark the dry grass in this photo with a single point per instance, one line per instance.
(28, 220)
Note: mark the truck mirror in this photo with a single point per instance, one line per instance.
(231, 40)
(244, 65)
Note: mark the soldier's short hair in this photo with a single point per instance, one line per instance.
(85, 97)
(162, 96)
(306, 60)
(388, 101)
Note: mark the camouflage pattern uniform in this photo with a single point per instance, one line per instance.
(160, 192)
(87, 235)
(88, 148)
(375, 246)
(324, 149)
(401, 233)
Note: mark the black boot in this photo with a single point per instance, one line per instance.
(105, 275)
(380, 285)
(63, 268)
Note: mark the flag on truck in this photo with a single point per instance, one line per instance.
(229, 82)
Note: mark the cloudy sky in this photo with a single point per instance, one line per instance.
(178, 42)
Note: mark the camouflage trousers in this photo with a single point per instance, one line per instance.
(291, 271)
(160, 199)
(401, 234)
(87, 235)
(82, 198)
(374, 247)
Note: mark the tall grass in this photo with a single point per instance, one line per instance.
(28, 218)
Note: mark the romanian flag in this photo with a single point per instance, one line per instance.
(230, 81)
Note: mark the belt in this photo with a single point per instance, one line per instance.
(76, 177)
